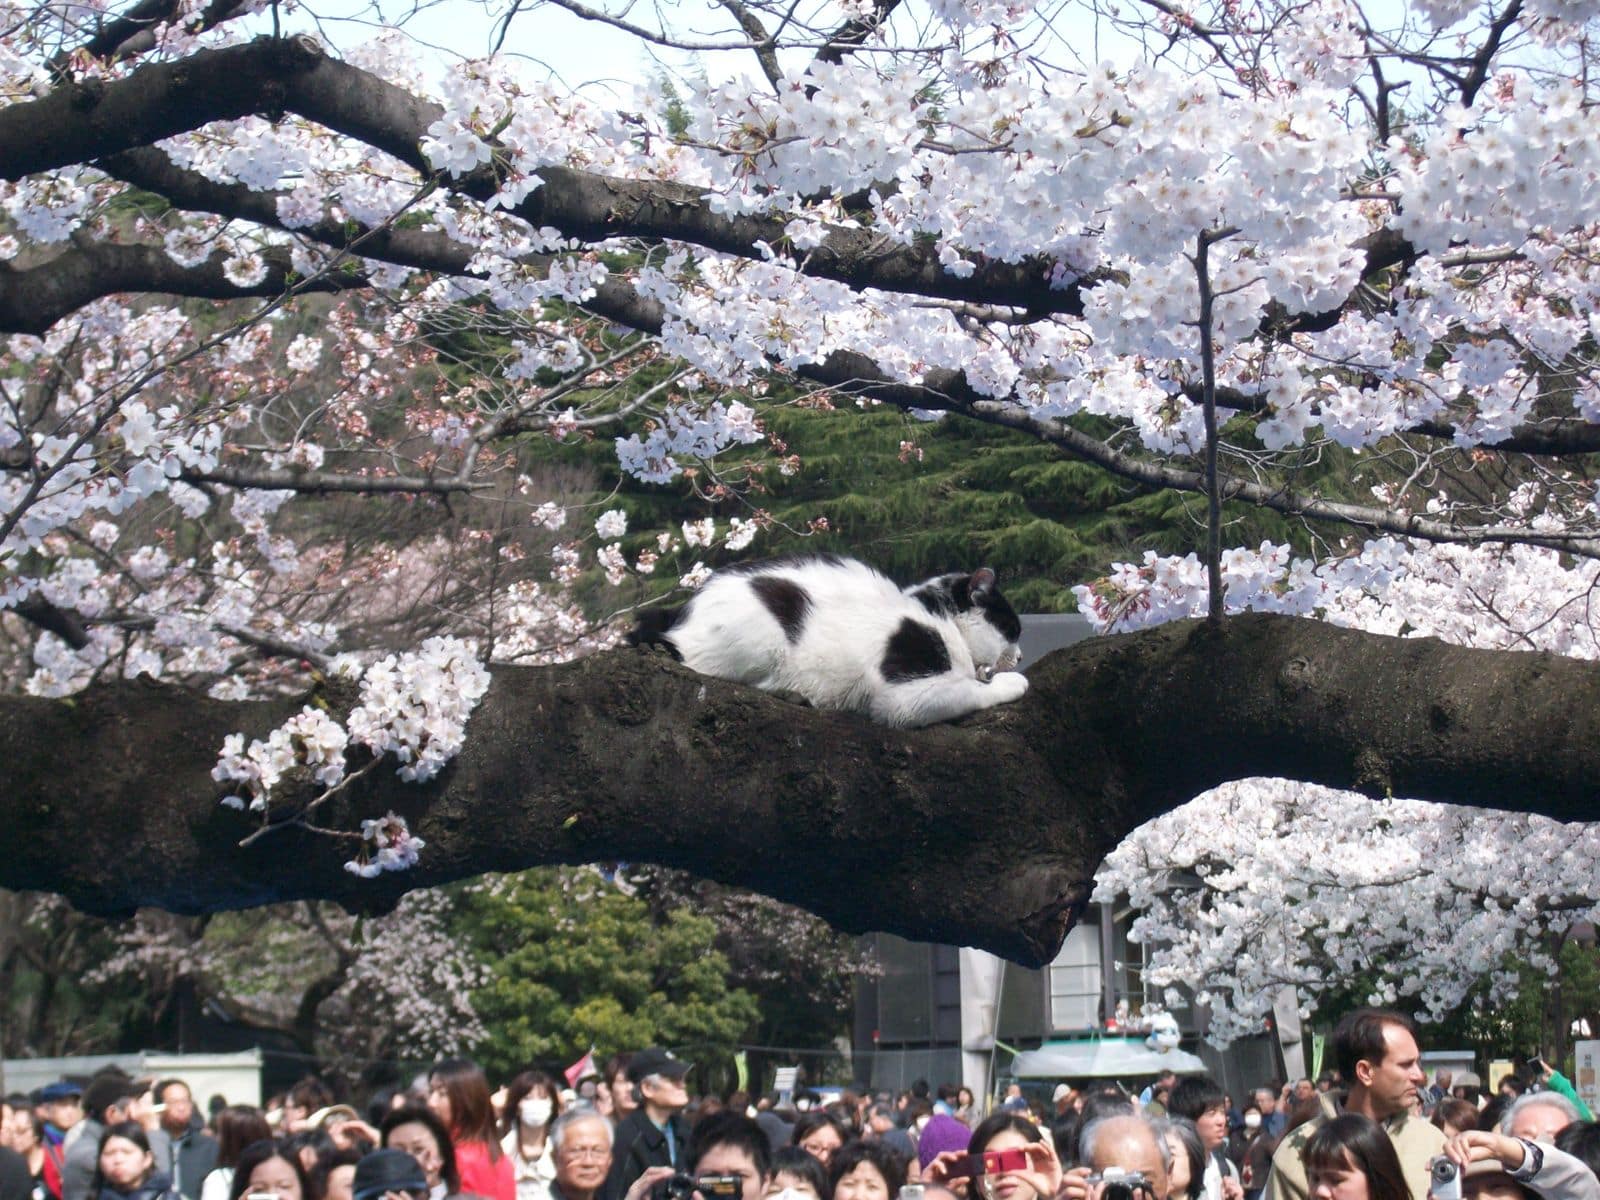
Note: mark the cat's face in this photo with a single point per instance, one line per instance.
(990, 626)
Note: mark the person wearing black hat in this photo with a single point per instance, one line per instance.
(61, 1106)
(389, 1175)
(107, 1101)
(654, 1134)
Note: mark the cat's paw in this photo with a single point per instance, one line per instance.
(1008, 686)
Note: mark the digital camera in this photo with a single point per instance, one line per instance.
(1444, 1179)
(711, 1187)
(1116, 1184)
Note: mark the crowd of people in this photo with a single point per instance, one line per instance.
(1375, 1130)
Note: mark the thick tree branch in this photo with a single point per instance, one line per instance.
(626, 755)
(35, 298)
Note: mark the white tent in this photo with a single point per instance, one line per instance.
(1102, 1058)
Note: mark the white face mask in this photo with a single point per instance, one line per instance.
(922, 1123)
(1252, 1120)
(534, 1111)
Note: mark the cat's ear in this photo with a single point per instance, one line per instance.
(980, 584)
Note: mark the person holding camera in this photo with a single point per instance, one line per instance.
(1007, 1158)
(728, 1158)
(655, 1133)
(1494, 1166)
(1122, 1158)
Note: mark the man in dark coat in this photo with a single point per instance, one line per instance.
(654, 1134)
(183, 1149)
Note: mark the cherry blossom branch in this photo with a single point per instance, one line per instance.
(1478, 72)
(310, 482)
(948, 391)
(654, 36)
(763, 43)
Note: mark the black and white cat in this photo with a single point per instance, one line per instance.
(838, 633)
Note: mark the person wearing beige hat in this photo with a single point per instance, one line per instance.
(1495, 1166)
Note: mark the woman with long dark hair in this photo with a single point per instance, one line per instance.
(533, 1102)
(458, 1094)
(125, 1168)
(1352, 1158)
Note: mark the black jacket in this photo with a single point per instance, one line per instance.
(156, 1187)
(639, 1145)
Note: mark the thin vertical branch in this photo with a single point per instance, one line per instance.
(1208, 403)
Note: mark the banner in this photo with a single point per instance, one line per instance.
(1318, 1045)
(741, 1069)
(1586, 1056)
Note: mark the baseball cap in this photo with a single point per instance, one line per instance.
(51, 1093)
(656, 1061)
(387, 1171)
(1061, 1093)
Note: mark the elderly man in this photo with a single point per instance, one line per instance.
(1376, 1051)
(580, 1144)
(1538, 1117)
(1118, 1143)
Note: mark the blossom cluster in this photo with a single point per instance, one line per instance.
(414, 706)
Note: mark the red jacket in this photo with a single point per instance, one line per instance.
(492, 1179)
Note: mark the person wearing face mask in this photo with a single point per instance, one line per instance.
(533, 1101)
(1250, 1148)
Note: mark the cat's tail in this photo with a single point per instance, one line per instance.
(652, 629)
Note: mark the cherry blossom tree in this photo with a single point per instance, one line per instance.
(318, 975)
(1260, 886)
(1329, 260)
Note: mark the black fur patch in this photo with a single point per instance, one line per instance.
(938, 595)
(948, 595)
(914, 652)
(1002, 616)
(652, 628)
(785, 600)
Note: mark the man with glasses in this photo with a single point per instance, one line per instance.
(580, 1143)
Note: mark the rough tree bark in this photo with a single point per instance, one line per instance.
(986, 832)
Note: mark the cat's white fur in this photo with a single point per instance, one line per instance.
(728, 632)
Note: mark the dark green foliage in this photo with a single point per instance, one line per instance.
(978, 496)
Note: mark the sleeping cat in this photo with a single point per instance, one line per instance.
(842, 636)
